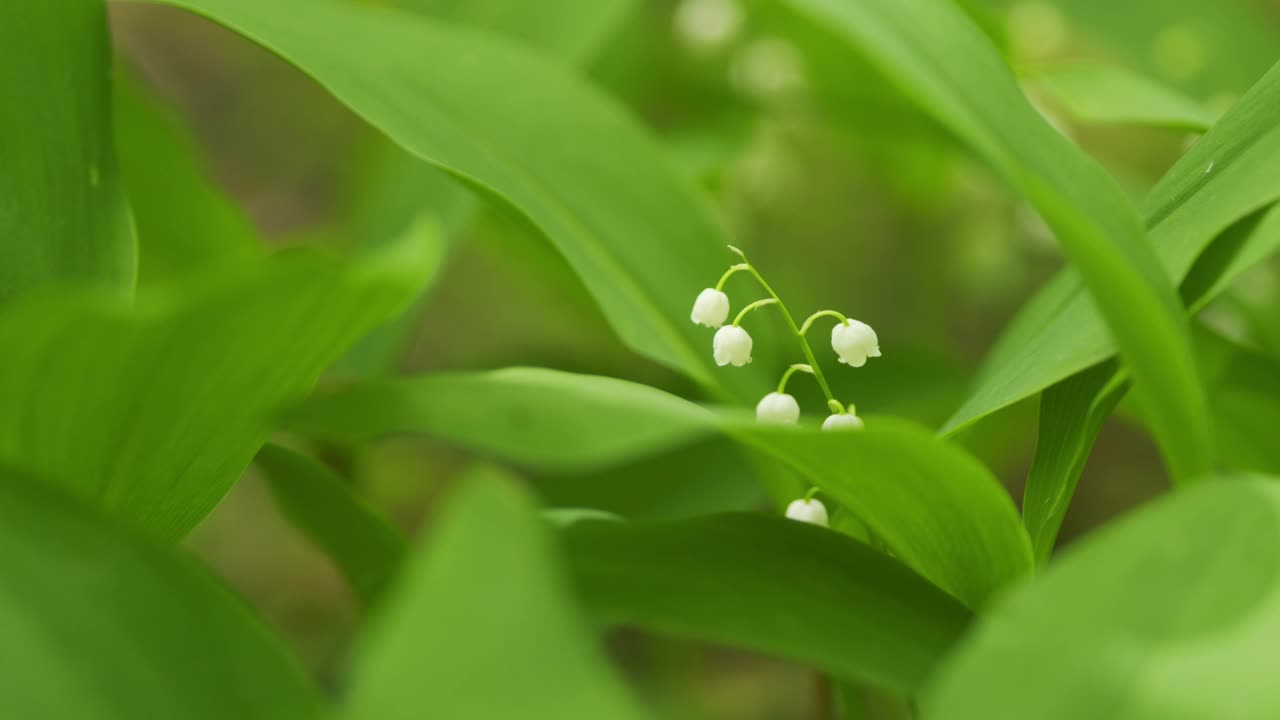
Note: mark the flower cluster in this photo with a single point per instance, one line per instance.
(852, 341)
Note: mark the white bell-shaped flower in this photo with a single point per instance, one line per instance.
(731, 346)
(810, 511)
(854, 342)
(842, 421)
(711, 308)
(778, 409)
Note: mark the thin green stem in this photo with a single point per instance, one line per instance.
(798, 367)
(812, 491)
(753, 306)
(804, 344)
(822, 313)
(728, 273)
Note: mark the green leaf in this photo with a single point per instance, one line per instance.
(63, 217)
(1245, 395)
(184, 222)
(321, 504)
(934, 506)
(1228, 175)
(539, 418)
(933, 50)
(1071, 415)
(937, 508)
(1171, 612)
(154, 409)
(771, 585)
(559, 152)
(1100, 94)
(99, 625)
(399, 193)
(482, 625)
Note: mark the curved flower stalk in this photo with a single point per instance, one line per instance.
(853, 342)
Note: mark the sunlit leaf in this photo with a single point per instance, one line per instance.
(1171, 612)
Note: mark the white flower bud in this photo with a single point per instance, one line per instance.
(855, 342)
(711, 308)
(842, 421)
(809, 511)
(731, 344)
(778, 409)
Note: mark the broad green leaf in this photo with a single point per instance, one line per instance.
(939, 510)
(771, 585)
(1099, 94)
(1173, 612)
(399, 193)
(1073, 410)
(482, 625)
(63, 217)
(1245, 395)
(365, 548)
(184, 222)
(935, 507)
(154, 409)
(1228, 175)
(524, 131)
(100, 625)
(1071, 415)
(539, 418)
(932, 49)
(572, 30)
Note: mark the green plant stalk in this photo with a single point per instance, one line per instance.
(832, 403)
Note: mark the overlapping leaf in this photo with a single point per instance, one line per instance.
(1172, 612)
(154, 409)
(771, 585)
(1109, 95)
(933, 50)
(577, 166)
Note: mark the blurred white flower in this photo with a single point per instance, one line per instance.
(707, 24)
(854, 342)
(842, 421)
(810, 511)
(711, 308)
(767, 67)
(778, 409)
(731, 345)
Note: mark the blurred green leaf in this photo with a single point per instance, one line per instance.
(482, 625)
(771, 585)
(536, 417)
(530, 134)
(99, 625)
(1245, 395)
(1071, 415)
(935, 507)
(63, 217)
(321, 504)
(1229, 174)
(398, 192)
(154, 409)
(1171, 612)
(1100, 94)
(184, 222)
(940, 57)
